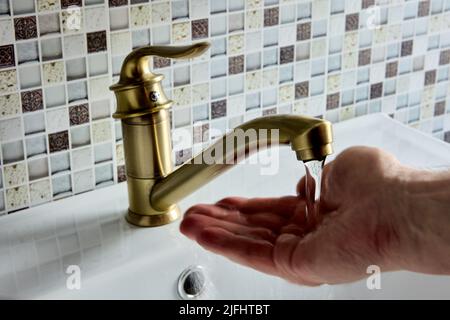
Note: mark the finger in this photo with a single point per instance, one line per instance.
(284, 206)
(266, 220)
(194, 224)
(253, 253)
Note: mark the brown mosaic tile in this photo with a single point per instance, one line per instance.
(352, 22)
(447, 136)
(364, 57)
(407, 48)
(25, 28)
(7, 57)
(79, 114)
(160, 62)
(117, 3)
(376, 90)
(301, 90)
(367, 4)
(424, 8)
(236, 64)
(271, 17)
(439, 108)
(32, 101)
(182, 156)
(201, 133)
(286, 54)
(304, 31)
(218, 109)
(430, 77)
(58, 141)
(96, 41)
(391, 69)
(200, 29)
(67, 3)
(333, 101)
(444, 57)
(269, 112)
(121, 174)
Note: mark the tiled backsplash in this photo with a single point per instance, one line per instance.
(330, 58)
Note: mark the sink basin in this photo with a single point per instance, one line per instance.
(119, 261)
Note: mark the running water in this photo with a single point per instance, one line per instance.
(313, 180)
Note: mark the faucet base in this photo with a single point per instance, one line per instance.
(154, 220)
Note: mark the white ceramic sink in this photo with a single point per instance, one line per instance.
(119, 261)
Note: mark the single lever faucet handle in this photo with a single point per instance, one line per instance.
(136, 66)
(139, 91)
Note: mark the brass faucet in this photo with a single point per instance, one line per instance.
(154, 188)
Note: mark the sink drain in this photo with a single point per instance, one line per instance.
(191, 283)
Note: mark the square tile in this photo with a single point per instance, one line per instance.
(286, 54)
(58, 141)
(352, 22)
(117, 3)
(96, 41)
(32, 100)
(333, 101)
(8, 81)
(218, 109)
(364, 57)
(79, 114)
(407, 48)
(47, 5)
(376, 90)
(16, 198)
(15, 175)
(236, 64)
(160, 62)
(9, 105)
(200, 29)
(25, 28)
(7, 57)
(391, 69)
(444, 57)
(53, 72)
(430, 77)
(301, 90)
(304, 31)
(271, 17)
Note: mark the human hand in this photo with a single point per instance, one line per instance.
(368, 214)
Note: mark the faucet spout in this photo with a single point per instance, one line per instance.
(309, 138)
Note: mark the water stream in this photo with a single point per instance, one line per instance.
(312, 189)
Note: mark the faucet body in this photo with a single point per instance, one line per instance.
(154, 188)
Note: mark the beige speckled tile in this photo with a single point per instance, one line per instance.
(181, 32)
(140, 15)
(333, 83)
(15, 174)
(9, 105)
(161, 12)
(40, 192)
(72, 21)
(200, 93)
(286, 93)
(8, 81)
(99, 88)
(181, 96)
(236, 43)
(120, 156)
(16, 198)
(53, 72)
(252, 4)
(346, 113)
(270, 77)
(349, 60)
(47, 5)
(253, 80)
(253, 19)
(101, 131)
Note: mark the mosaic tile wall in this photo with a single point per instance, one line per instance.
(334, 59)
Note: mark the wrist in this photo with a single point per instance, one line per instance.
(425, 219)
